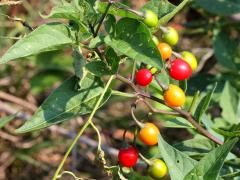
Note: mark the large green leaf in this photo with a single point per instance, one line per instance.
(134, 40)
(178, 122)
(178, 163)
(45, 38)
(209, 166)
(225, 50)
(220, 7)
(66, 10)
(78, 11)
(78, 63)
(229, 102)
(66, 102)
(204, 103)
(199, 145)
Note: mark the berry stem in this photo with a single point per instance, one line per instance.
(133, 106)
(145, 159)
(183, 113)
(177, 54)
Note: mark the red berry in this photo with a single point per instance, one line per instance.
(180, 70)
(143, 77)
(128, 157)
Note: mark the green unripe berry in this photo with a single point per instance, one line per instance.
(158, 169)
(150, 18)
(155, 40)
(170, 36)
(190, 59)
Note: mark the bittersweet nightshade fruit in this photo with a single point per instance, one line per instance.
(165, 50)
(150, 18)
(180, 70)
(158, 169)
(149, 134)
(143, 77)
(190, 59)
(128, 157)
(174, 96)
(170, 36)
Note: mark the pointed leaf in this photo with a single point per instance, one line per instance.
(134, 40)
(209, 166)
(47, 37)
(78, 63)
(178, 163)
(204, 103)
(66, 102)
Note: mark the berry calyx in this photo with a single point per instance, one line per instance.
(155, 40)
(165, 50)
(128, 157)
(174, 96)
(150, 18)
(158, 169)
(180, 70)
(143, 77)
(190, 59)
(149, 134)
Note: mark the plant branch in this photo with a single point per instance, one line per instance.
(83, 128)
(102, 18)
(183, 113)
(159, 111)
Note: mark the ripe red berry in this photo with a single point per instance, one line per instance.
(128, 157)
(143, 77)
(180, 70)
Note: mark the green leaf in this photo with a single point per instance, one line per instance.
(78, 63)
(227, 133)
(79, 11)
(66, 10)
(65, 103)
(161, 8)
(209, 166)
(225, 50)
(97, 41)
(220, 7)
(47, 37)
(134, 40)
(110, 24)
(7, 119)
(229, 102)
(198, 146)
(112, 59)
(178, 163)
(44, 80)
(98, 68)
(178, 122)
(204, 103)
(117, 9)
(171, 14)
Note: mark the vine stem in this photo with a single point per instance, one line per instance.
(183, 113)
(89, 121)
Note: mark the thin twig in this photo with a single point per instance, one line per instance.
(163, 86)
(102, 18)
(183, 113)
(159, 111)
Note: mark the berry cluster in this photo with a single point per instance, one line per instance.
(180, 67)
